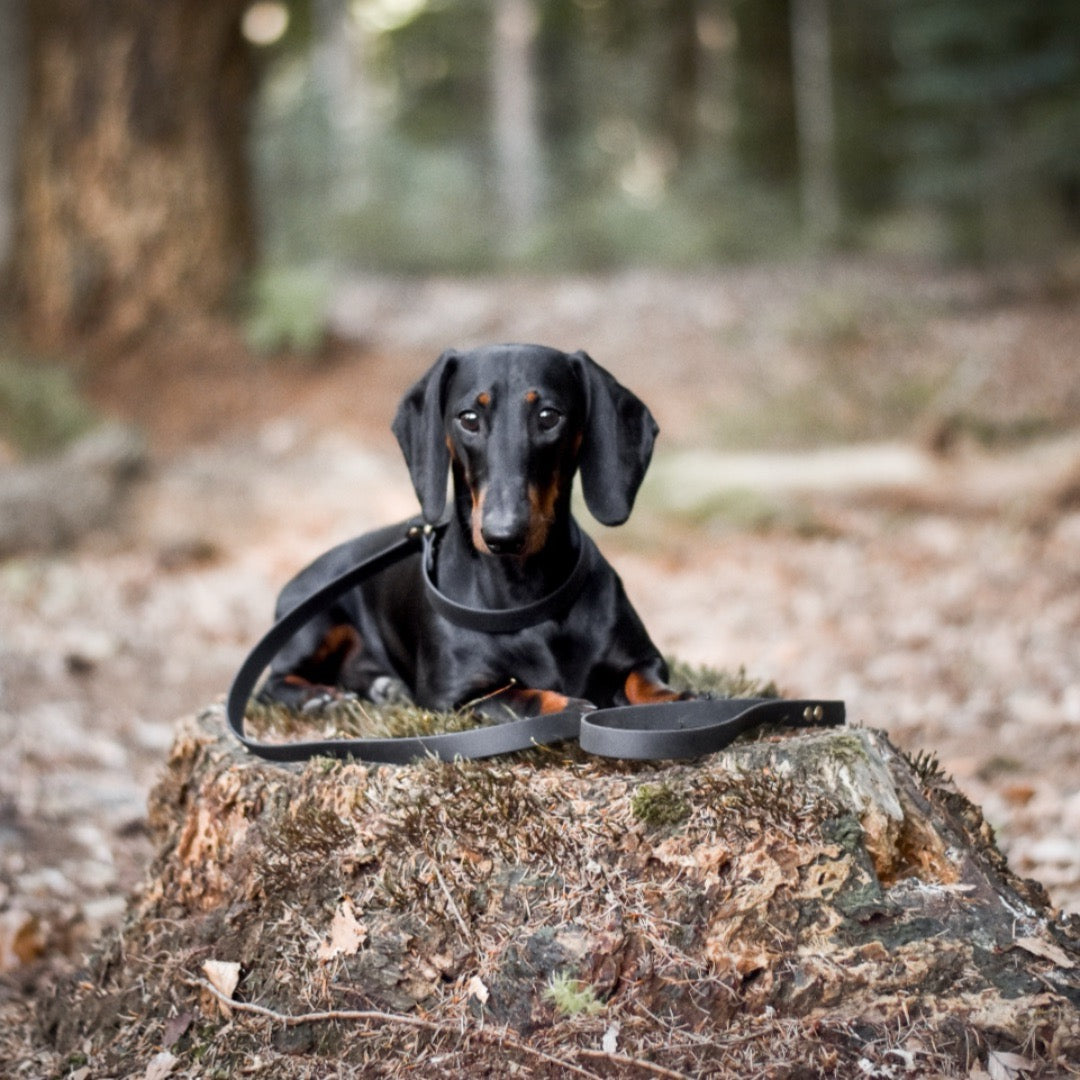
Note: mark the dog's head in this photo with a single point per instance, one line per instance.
(517, 421)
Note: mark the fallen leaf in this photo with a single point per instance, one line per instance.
(1019, 794)
(347, 934)
(160, 1066)
(1047, 950)
(223, 975)
(1005, 1066)
(21, 940)
(477, 989)
(175, 1027)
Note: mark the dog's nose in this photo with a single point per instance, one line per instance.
(503, 528)
(503, 539)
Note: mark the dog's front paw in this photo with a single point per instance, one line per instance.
(319, 702)
(386, 690)
(579, 704)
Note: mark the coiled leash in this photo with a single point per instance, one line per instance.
(677, 729)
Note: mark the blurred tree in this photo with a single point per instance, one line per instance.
(990, 116)
(519, 165)
(765, 99)
(12, 52)
(133, 182)
(683, 77)
(815, 117)
(863, 68)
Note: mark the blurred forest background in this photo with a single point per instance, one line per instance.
(157, 159)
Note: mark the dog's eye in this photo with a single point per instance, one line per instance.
(470, 421)
(548, 419)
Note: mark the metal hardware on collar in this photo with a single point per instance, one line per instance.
(508, 620)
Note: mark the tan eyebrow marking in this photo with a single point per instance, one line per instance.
(532, 397)
(483, 399)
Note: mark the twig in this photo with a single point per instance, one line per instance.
(378, 1016)
(638, 1063)
(466, 932)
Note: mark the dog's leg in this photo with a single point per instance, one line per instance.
(647, 686)
(339, 665)
(523, 701)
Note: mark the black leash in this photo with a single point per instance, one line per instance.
(678, 729)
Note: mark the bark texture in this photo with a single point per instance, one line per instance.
(133, 184)
(806, 905)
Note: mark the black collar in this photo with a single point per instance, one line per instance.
(508, 620)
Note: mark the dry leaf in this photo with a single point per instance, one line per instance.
(610, 1042)
(21, 940)
(223, 975)
(175, 1027)
(347, 934)
(1005, 1066)
(477, 989)
(160, 1066)
(1047, 950)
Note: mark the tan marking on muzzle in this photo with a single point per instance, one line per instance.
(541, 516)
(477, 520)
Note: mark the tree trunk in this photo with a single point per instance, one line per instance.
(813, 905)
(515, 122)
(812, 81)
(682, 85)
(134, 195)
(12, 79)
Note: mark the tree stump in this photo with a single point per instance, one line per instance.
(810, 904)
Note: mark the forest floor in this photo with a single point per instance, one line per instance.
(868, 487)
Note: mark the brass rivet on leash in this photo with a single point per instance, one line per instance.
(819, 712)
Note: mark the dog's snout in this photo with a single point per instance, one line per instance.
(504, 533)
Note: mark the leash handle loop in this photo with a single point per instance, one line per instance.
(689, 729)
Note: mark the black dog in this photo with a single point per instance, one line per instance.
(513, 423)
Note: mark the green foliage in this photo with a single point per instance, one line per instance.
(572, 997)
(989, 109)
(669, 135)
(287, 309)
(41, 409)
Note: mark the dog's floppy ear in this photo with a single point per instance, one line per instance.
(421, 433)
(617, 446)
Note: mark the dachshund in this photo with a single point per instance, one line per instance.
(511, 607)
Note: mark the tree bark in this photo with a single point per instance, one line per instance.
(813, 905)
(133, 183)
(12, 79)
